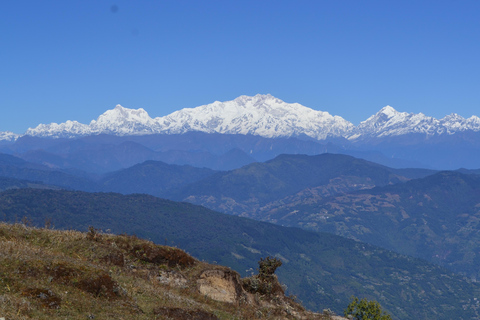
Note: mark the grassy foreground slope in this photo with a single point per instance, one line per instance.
(323, 270)
(50, 274)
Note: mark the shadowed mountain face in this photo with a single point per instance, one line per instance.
(288, 179)
(321, 269)
(12, 183)
(152, 177)
(105, 153)
(16, 168)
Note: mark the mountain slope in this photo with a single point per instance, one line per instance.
(12, 183)
(14, 167)
(247, 190)
(321, 269)
(152, 177)
(435, 218)
(102, 153)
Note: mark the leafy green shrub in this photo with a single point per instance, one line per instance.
(366, 310)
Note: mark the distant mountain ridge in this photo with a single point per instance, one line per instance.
(287, 180)
(262, 115)
(390, 122)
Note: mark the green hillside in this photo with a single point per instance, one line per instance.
(322, 270)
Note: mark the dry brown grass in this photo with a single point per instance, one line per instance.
(52, 274)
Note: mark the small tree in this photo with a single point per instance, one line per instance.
(366, 310)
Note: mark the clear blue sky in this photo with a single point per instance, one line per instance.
(73, 60)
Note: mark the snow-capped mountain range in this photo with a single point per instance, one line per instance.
(262, 115)
(389, 122)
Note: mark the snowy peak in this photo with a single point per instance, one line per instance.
(383, 121)
(262, 115)
(121, 114)
(8, 136)
(455, 123)
(119, 121)
(69, 129)
(123, 121)
(385, 115)
(388, 112)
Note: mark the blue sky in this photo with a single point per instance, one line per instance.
(73, 60)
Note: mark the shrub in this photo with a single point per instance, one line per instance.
(100, 286)
(265, 282)
(268, 266)
(162, 255)
(180, 314)
(366, 310)
(47, 298)
(93, 234)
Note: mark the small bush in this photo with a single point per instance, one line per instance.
(94, 234)
(115, 258)
(162, 255)
(180, 314)
(100, 286)
(61, 273)
(47, 298)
